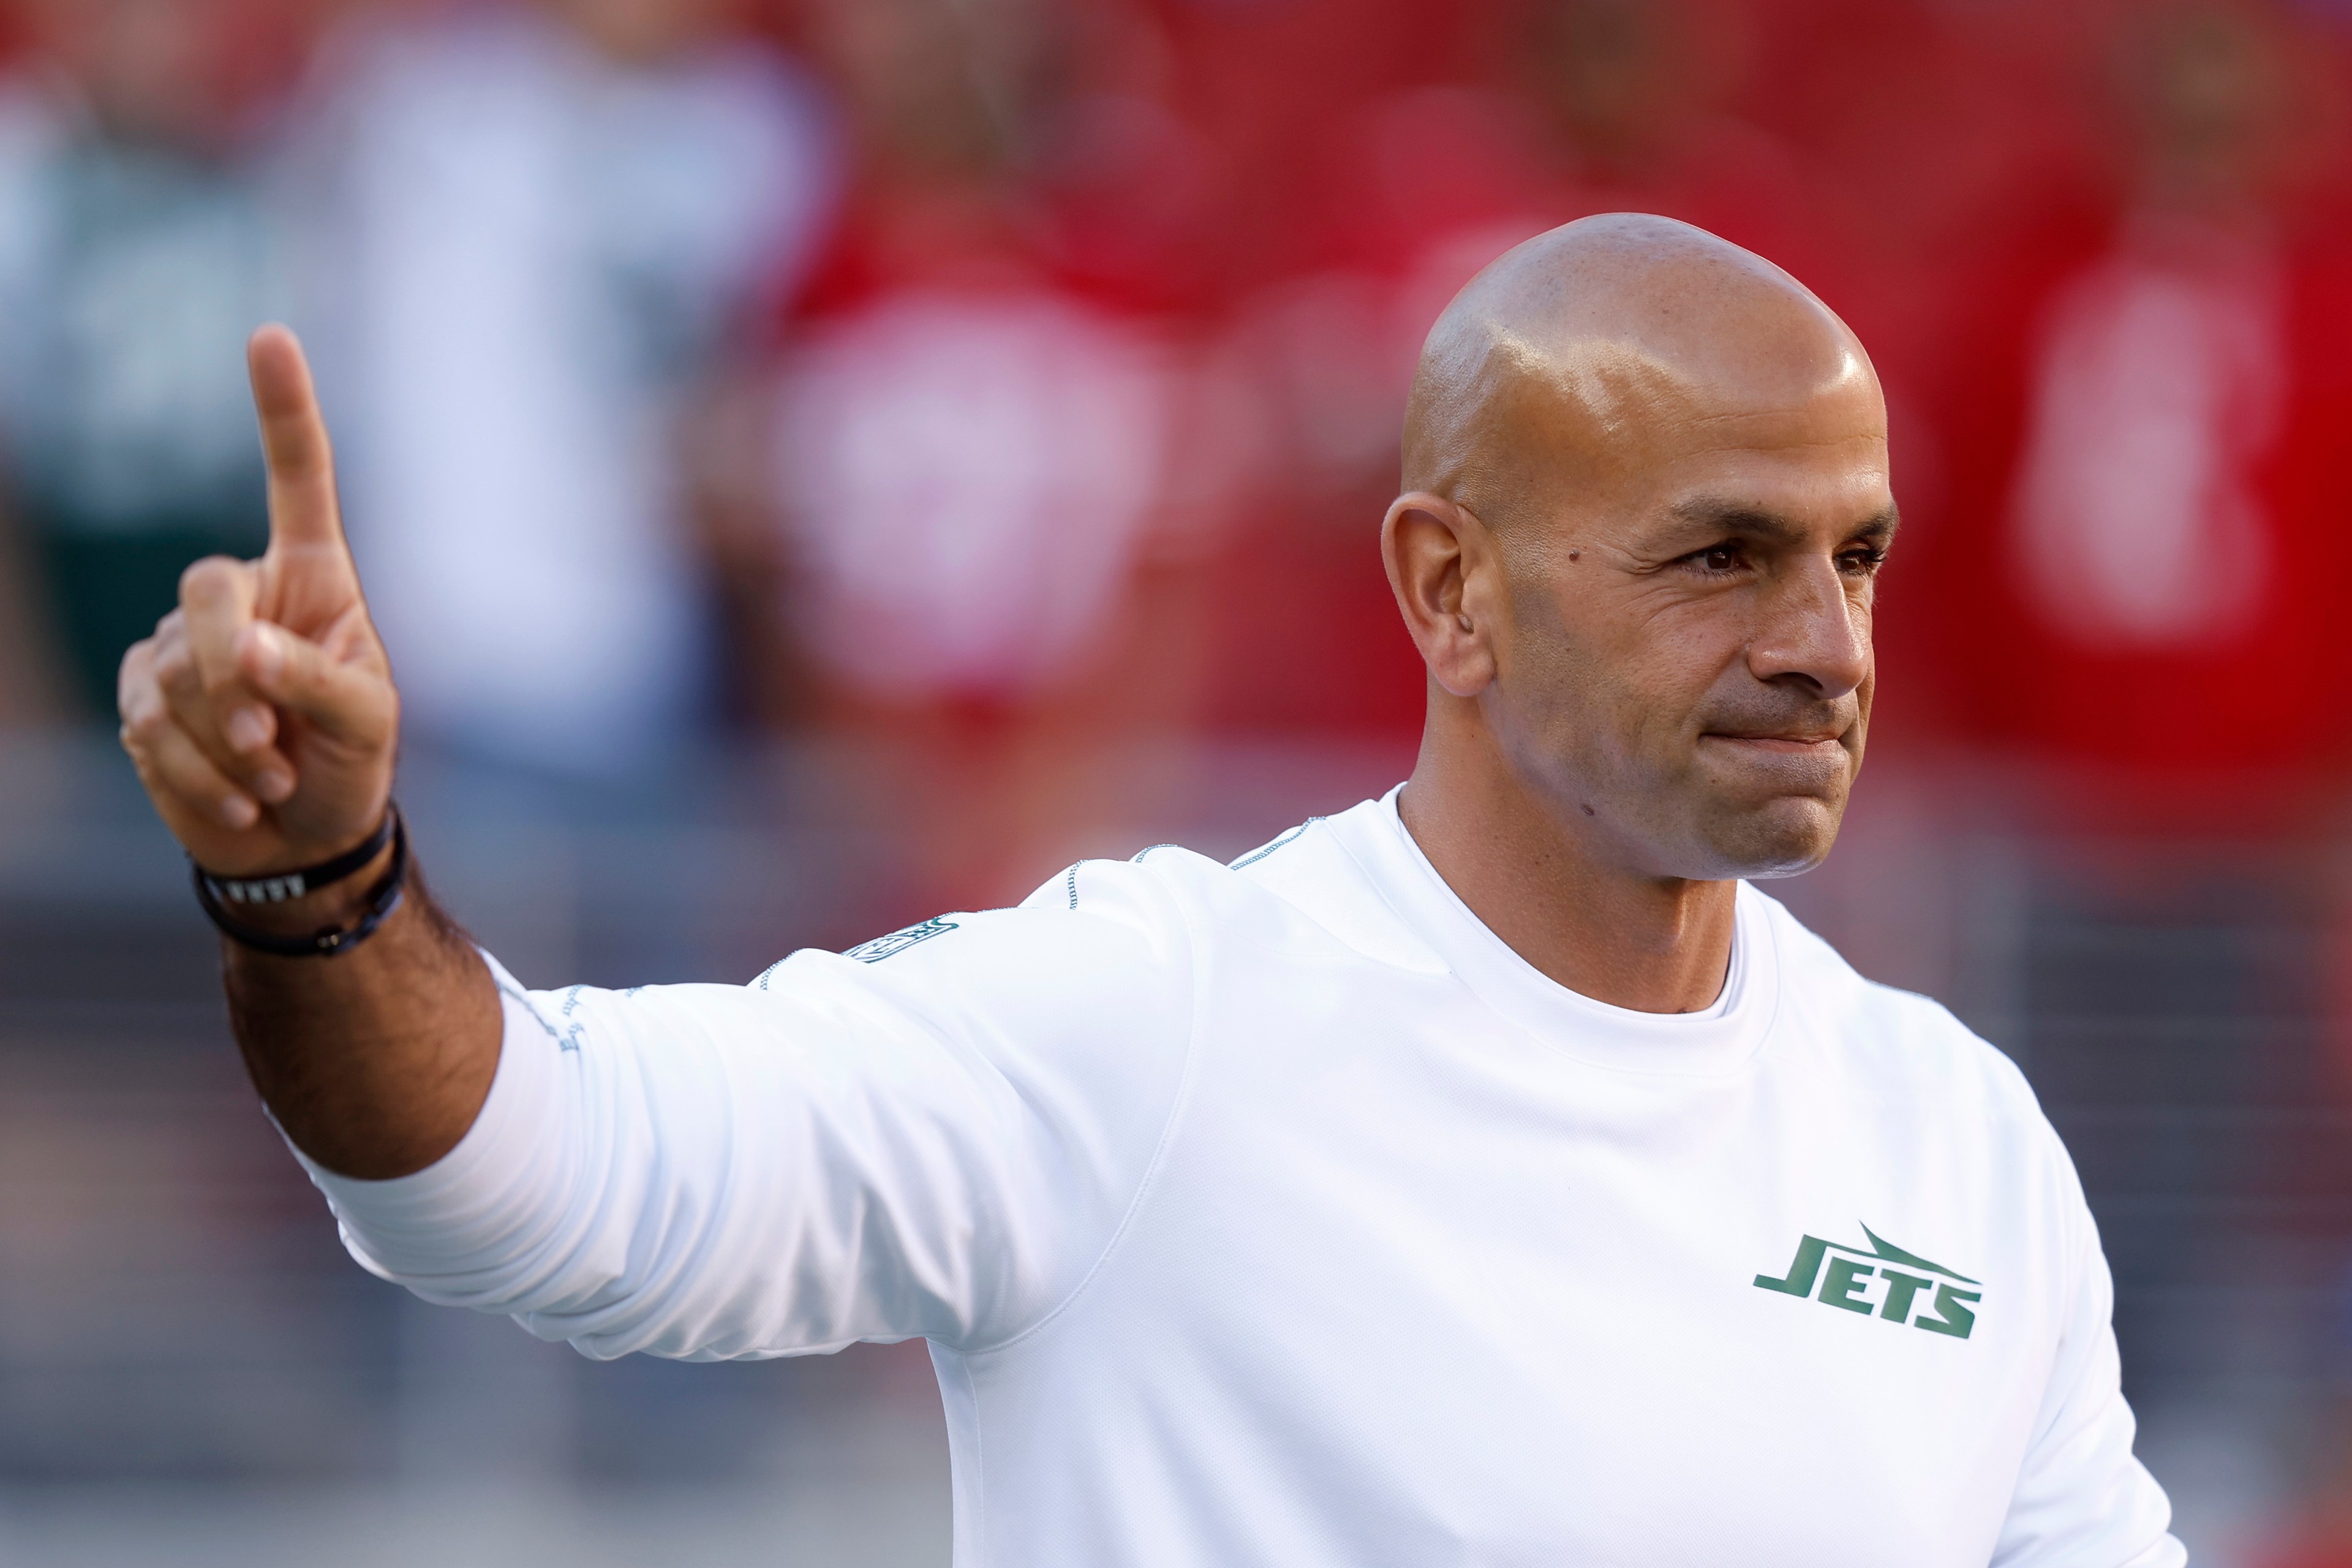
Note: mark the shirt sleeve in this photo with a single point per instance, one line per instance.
(936, 1135)
(2083, 1498)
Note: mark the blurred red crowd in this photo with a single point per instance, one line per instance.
(1080, 393)
(2098, 251)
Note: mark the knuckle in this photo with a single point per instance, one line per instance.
(173, 664)
(147, 729)
(204, 578)
(136, 668)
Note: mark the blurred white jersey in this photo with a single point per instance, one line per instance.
(1281, 1213)
(528, 254)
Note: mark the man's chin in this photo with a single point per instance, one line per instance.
(1783, 837)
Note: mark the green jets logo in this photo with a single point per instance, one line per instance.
(1847, 1283)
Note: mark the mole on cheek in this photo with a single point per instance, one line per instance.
(1586, 809)
(1576, 555)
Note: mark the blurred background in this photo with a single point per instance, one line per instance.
(819, 462)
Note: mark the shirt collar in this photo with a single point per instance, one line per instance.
(1719, 1040)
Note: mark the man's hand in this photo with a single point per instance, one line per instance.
(263, 720)
(261, 714)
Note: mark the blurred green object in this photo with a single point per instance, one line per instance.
(130, 274)
(106, 591)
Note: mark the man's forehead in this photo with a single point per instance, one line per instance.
(1826, 467)
(1613, 379)
(1612, 414)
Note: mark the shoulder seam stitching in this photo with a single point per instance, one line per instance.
(1255, 856)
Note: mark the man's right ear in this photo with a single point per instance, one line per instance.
(1442, 567)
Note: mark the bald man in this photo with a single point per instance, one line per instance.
(1487, 1174)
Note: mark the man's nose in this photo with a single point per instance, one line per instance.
(1811, 629)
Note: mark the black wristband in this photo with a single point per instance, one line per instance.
(287, 885)
(381, 901)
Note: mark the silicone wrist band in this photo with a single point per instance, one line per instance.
(381, 901)
(287, 885)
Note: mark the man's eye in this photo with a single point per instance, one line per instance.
(1862, 563)
(1722, 558)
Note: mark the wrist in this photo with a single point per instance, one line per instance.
(318, 911)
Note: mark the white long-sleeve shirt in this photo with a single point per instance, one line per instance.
(1281, 1213)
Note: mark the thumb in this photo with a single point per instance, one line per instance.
(216, 596)
(347, 701)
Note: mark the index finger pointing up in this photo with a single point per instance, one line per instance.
(302, 510)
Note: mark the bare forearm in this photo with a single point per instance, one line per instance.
(374, 1061)
(264, 723)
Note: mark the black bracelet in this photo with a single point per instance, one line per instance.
(381, 901)
(287, 885)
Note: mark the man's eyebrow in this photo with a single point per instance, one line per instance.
(1745, 517)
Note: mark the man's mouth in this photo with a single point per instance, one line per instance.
(1793, 742)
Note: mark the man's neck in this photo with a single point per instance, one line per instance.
(1650, 943)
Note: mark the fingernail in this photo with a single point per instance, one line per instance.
(239, 811)
(274, 785)
(248, 729)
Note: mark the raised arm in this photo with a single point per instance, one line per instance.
(264, 723)
(936, 1137)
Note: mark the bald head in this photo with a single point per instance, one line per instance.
(1646, 500)
(1567, 364)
